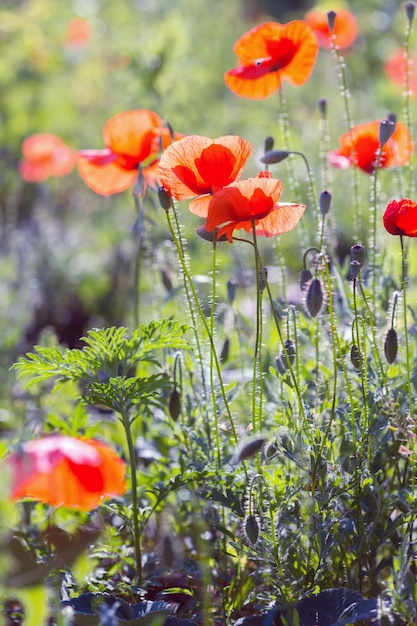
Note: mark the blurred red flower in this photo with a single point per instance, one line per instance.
(252, 201)
(199, 166)
(360, 147)
(269, 53)
(345, 27)
(45, 155)
(131, 138)
(78, 33)
(66, 471)
(400, 217)
(396, 68)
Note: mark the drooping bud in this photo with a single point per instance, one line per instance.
(355, 268)
(249, 448)
(331, 18)
(386, 129)
(314, 297)
(252, 529)
(231, 289)
(269, 144)
(224, 354)
(274, 156)
(391, 345)
(325, 201)
(165, 198)
(356, 357)
(305, 277)
(208, 235)
(410, 7)
(174, 405)
(263, 276)
(357, 253)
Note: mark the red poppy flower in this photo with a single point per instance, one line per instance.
(66, 471)
(45, 155)
(252, 201)
(78, 33)
(268, 54)
(396, 69)
(400, 217)
(199, 166)
(131, 138)
(360, 147)
(345, 27)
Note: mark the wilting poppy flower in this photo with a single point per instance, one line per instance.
(360, 147)
(66, 471)
(400, 217)
(396, 70)
(45, 155)
(199, 166)
(252, 201)
(131, 138)
(269, 53)
(78, 33)
(345, 27)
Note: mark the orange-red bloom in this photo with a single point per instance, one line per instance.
(345, 27)
(45, 155)
(360, 147)
(78, 33)
(400, 217)
(396, 70)
(131, 138)
(199, 166)
(252, 202)
(269, 53)
(66, 471)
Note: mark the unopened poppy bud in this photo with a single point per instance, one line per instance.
(174, 405)
(314, 298)
(355, 268)
(305, 277)
(356, 357)
(357, 253)
(274, 156)
(271, 450)
(325, 201)
(263, 276)
(322, 106)
(289, 352)
(224, 354)
(391, 345)
(280, 365)
(208, 235)
(269, 144)
(231, 289)
(252, 529)
(166, 279)
(249, 448)
(331, 18)
(165, 198)
(392, 117)
(386, 129)
(410, 7)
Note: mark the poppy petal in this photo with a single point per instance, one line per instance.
(105, 179)
(252, 88)
(345, 29)
(282, 219)
(131, 133)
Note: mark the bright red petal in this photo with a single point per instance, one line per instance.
(105, 179)
(239, 81)
(400, 218)
(253, 45)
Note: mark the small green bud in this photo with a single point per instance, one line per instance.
(252, 529)
(174, 405)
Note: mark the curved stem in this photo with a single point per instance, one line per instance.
(407, 341)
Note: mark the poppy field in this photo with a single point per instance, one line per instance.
(208, 317)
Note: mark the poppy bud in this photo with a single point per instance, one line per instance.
(356, 357)
(331, 17)
(357, 253)
(305, 277)
(323, 106)
(252, 529)
(325, 200)
(355, 268)
(392, 117)
(208, 235)
(314, 298)
(288, 352)
(263, 276)
(386, 129)
(249, 448)
(274, 156)
(174, 405)
(165, 198)
(166, 279)
(391, 345)
(231, 289)
(224, 354)
(280, 365)
(269, 144)
(409, 9)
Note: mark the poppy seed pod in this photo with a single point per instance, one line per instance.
(357, 253)
(356, 357)
(331, 18)
(305, 277)
(391, 345)
(314, 297)
(386, 129)
(174, 405)
(274, 156)
(325, 200)
(269, 144)
(252, 529)
(165, 199)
